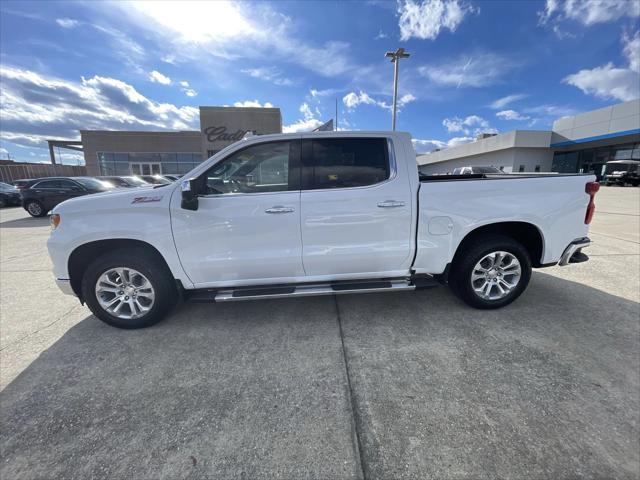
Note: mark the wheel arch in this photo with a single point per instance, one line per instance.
(82, 256)
(528, 234)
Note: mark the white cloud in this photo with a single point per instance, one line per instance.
(611, 82)
(67, 22)
(457, 124)
(589, 12)
(425, 146)
(184, 87)
(473, 71)
(511, 115)
(352, 100)
(308, 123)
(36, 107)
(425, 20)
(253, 104)
(404, 99)
(380, 35)
(269, 74)
(229, 30)
(156, 76)
(302, 126)
(504, 101)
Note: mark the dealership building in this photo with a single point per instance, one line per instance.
(144, 153)
(580, 144)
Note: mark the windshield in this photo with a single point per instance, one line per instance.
(618, 168)
(6, 186)
(93, 184)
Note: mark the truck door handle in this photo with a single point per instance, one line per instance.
(279, 209)
(390, 204)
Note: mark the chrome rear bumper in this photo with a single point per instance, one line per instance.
(574, 249)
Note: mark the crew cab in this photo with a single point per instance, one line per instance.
(319, 213)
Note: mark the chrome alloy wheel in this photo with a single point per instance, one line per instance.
(125, 293)
(35, 209)
(496, 275)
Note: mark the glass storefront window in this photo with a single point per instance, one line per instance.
(565, 162)
(120, 163)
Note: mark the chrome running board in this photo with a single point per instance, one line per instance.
(239, 294)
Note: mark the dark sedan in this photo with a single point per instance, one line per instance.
(9, 195)
(43, 194)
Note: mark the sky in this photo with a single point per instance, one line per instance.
(475, 66)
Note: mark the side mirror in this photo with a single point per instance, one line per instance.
(189, 194)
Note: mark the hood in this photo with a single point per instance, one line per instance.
(119, 198)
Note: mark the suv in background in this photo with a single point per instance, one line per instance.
(9, 195)
(41, 195)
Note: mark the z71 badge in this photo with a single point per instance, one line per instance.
(155, 198)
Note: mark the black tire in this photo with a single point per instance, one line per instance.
(149, 265)
(472, 252)
(35, 208)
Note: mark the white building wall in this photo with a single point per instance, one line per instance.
(531, 157)
(500, 158)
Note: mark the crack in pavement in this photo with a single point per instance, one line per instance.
(30, 334)
(355, 417)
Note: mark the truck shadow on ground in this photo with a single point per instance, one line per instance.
(543, 388)
(28, 222)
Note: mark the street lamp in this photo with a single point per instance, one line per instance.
(395, 59)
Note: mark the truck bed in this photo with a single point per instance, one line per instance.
(451, 206)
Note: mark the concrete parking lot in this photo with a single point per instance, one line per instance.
(403, 385)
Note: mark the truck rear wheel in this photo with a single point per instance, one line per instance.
(491, 272)
(129, 288)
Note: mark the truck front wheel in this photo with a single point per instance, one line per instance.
(129, 288)
(491, 271)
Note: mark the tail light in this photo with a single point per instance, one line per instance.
(591, 188)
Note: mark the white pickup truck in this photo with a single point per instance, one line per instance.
(315, 214)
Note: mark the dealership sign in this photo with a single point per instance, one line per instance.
(215, 134)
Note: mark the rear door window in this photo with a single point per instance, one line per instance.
(47, 184)
(344, 162)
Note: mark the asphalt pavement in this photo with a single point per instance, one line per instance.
(376, 386)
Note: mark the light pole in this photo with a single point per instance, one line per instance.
(395, 59)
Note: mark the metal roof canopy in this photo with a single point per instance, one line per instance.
(68, 144)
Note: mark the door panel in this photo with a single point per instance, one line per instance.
(246, 229)
(358, 229)
(232, 238)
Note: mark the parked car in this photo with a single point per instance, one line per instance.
(155, 179)
(41, 195)
(475, 170)
(129, 181)
(23, 183)
(315, 214)
(9, 195)
(622, 172)
(171, 178)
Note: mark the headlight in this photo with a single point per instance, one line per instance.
(54, 219)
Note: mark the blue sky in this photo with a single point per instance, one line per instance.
(475, 66)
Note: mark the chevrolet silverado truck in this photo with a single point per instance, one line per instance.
(320, 213)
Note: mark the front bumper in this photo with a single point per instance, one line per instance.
(65, 286)
(573, 253)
